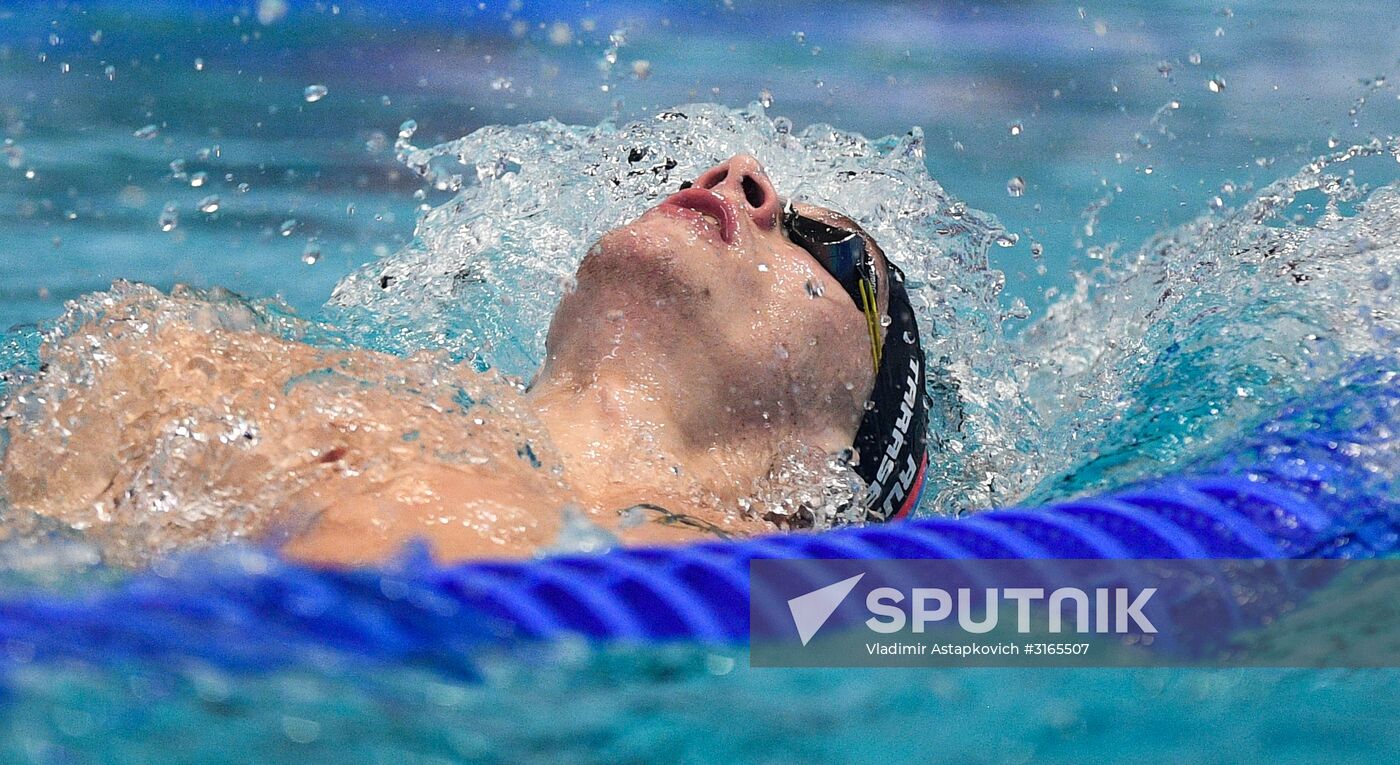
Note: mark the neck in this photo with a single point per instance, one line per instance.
(622, 444)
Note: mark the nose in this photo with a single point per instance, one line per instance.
(743, 182)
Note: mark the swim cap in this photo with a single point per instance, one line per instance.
(891, 446)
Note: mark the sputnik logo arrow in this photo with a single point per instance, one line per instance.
(810, 611)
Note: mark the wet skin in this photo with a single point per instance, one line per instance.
(699, 346)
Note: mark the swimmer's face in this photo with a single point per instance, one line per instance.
(707, 286)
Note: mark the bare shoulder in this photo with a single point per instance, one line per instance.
(178, 422)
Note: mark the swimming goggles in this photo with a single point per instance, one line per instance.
(843, 254)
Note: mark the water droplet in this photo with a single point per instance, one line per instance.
(502, 83)
(14, 155)
(718, 664)
(560, 33)
(311, 253)
(1215, 84)
(314, 93)
(1194, 57)
(765, 97)
(243, 188)
(800, 37)
(885, 320)
(288, 226)
(641, 69)
(271, 11)
(169, 218)
(1037, 249)
(815, 289)
(407, 129)
(147, 133)
(763, 268)
(1016, 186)
(1164, 68)
(1333, 142)
(1007, 239)
(199, 179)
(111, 72)
(209, 204)
(1016, 128)
(907, 337)
(1216, 203)
(199, 64)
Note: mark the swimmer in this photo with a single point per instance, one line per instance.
(717, 332)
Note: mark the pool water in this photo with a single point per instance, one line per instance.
(1172, 219)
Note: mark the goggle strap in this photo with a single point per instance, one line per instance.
(871, 309)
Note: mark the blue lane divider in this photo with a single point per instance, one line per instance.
(1317, 481)
(662, 594)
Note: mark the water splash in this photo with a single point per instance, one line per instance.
(529, 200)
(191, 468)
(1145, 366)
(1148, 362)
(1208, 327)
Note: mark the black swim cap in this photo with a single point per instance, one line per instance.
(891, 446)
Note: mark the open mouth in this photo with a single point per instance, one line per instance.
(706, 206)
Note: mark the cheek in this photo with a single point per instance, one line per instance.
(821, 312)
(824, 339)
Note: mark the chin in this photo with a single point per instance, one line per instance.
(652, 260)
(634, 284)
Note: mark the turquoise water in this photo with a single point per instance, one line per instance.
(1208, 295)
